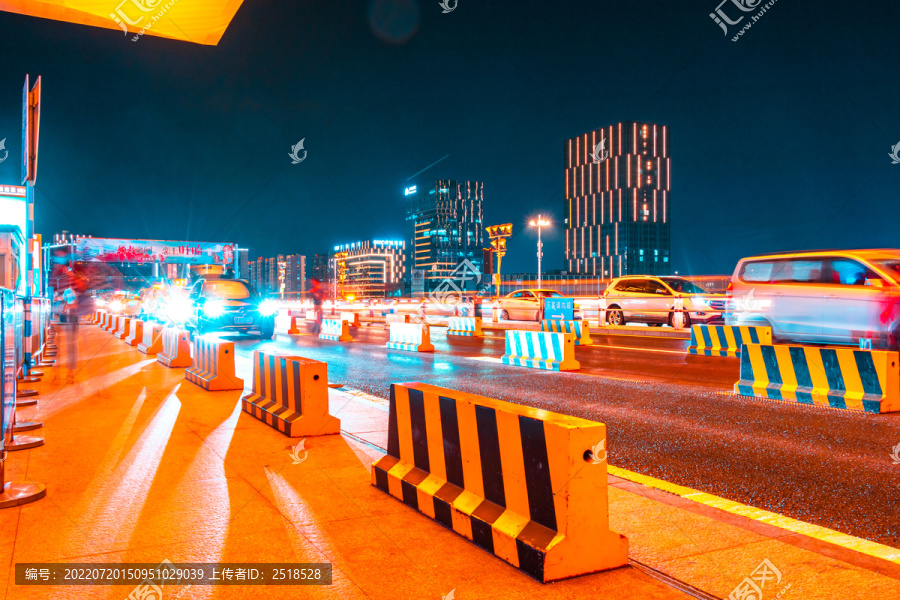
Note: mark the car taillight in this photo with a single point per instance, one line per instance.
(730, 288)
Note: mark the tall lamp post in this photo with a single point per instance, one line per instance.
(539, 223)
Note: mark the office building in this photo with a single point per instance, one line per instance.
(320, 268)
(617, 204)
(446, 228)
(370, 269)
(283, 275)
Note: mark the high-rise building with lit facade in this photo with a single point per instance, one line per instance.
(617, 205)
(282, 275)
(370, 269)
(446, 227)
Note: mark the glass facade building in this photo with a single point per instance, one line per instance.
(446, 227)
(617, 204)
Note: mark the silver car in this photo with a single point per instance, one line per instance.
(647, 299)
(832, 297)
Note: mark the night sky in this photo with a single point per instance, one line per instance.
(778, 141)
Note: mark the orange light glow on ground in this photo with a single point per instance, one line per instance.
(197, 21)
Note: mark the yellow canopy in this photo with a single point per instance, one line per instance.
(197, 21)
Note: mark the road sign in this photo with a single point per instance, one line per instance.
(562, 309)
(26, 131)
(31, 116)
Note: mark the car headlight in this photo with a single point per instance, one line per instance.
(213, 308)
(268, 308)
(115, 306)
(700, 302)
(178, 310)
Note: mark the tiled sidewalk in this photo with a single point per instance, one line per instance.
(142, 466)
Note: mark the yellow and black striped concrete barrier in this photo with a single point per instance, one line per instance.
(137, 333)
(580, 329)
(290, 394)
(335, 330)
(541, 350)
(864, 380)
(467, 326)
(176, 348)
(151, 342)
(415, 337)
(111, 323)
(527, 485)
(726, 340)
(213, 366)
(123, 328)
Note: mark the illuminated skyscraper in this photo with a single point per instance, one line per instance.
(371, 269)
(617, 201)
(446, 226)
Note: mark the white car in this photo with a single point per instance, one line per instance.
(524, 305)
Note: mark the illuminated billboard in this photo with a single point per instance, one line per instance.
(149, 251)
(197, 21)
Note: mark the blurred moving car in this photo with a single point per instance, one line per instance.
(124, 303)
(825, 296)
(230, 305)
(524, 305)
(649, 299)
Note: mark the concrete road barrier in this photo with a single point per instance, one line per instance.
(864, 380)
(467, 326)
(290, 394)
(726, 340)
(104, 320)
(541, 350)
(336, 330)
(123, 328)
(151, 342)
(111, 323)
(137, 333)
(176, 348)
(580, 329)
(351, 317)
(414, 337)
(213, 366)
(527, 485)
(394, 318)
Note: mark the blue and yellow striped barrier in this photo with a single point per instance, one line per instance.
(726, 340)
(541, 350)
(864, 380)
(527, 485)
(415, 337)
(336, 330)
(580, 329)
(467, 326)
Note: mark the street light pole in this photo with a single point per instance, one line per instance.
(539, 224)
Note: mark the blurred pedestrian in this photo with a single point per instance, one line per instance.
(317, 291)
(77, 303)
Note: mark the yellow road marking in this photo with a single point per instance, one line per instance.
(808, 529)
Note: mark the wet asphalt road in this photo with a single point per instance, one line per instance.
(667, 416)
